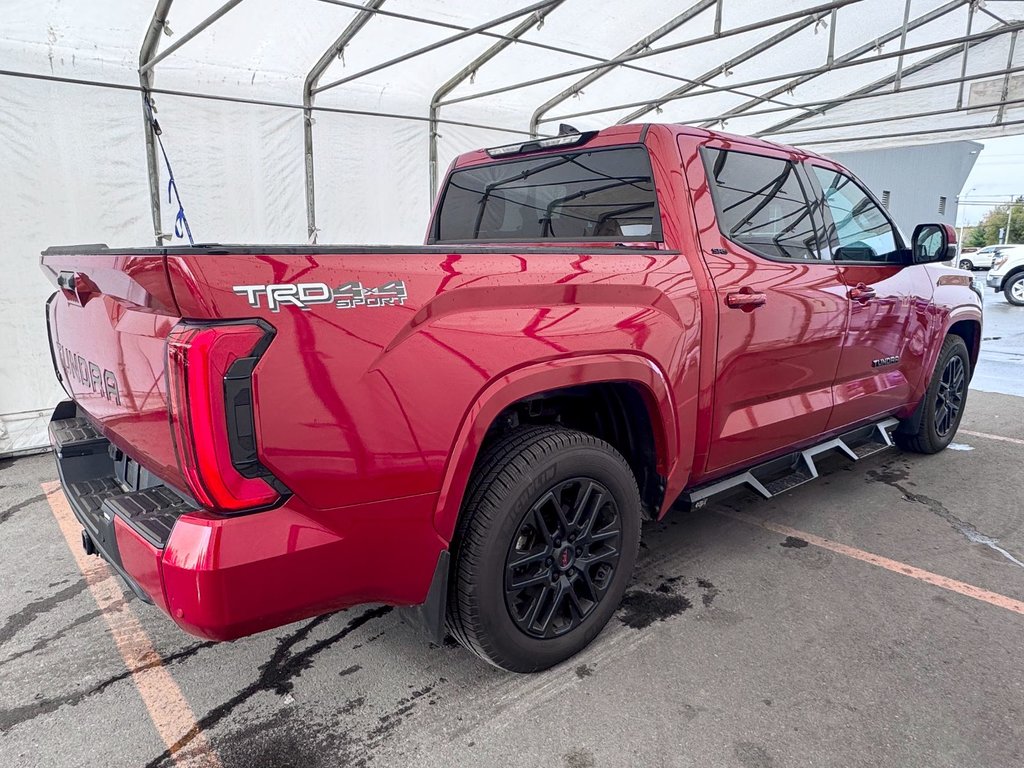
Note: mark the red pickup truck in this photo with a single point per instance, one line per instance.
(600, 325)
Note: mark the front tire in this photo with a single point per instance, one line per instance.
(944, 401)
(544, 548)
(966, 264)
(1013, 289)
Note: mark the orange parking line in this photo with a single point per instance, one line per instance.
(170, 712)
(960, 587)
(991, 437)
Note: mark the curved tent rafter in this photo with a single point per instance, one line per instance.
(641, 60)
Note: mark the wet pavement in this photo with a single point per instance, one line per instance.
(872, 617)
(1001, 364)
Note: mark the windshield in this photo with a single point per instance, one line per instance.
(602, 194)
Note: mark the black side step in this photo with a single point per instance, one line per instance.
(793, 470)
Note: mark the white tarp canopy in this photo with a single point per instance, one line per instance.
(405, 82)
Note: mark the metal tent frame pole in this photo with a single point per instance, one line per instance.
(850, 55)
(148, 48)
(600, 60)
(308, 87)
(872, 88)
(996, 105)
(816, 107)
(645, 54)
(908, 134)
(640, 45)
(957, 42)
(470, 69)
(503, 19)
(192, 33)
(724, 68)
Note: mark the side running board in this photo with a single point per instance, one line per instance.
(787, 472)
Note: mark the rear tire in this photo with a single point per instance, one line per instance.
(1013, 289)
(944, 401)
(966, 264)
(564, 503)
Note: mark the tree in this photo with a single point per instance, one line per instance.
(987, 231)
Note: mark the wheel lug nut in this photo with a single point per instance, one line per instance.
(579, 551)
(549, 561)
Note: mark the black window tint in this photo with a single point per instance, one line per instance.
(602, 194)
(858, 231)
(760, 204)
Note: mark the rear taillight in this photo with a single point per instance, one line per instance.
(209, 383)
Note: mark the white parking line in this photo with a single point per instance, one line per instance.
(1013, 440)
(169, 710)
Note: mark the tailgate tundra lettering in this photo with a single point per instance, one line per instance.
(88, 374)
(306, 295)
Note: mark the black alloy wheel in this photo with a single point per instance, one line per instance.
(544, 547)
(949, 398)
(562, 558)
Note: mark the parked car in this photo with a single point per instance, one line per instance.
(1007, 274)
(979, 259)
(601, 325)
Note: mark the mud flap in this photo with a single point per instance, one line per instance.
(429, 616)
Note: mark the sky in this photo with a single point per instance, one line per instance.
(997, 175)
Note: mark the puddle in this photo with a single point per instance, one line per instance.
(639, 608)
(965, 529)
(793, 542)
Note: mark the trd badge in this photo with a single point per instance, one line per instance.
(306, 295)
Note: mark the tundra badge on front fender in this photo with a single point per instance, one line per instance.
(882, 361)
(305, 295)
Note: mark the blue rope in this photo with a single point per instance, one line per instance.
(181, 227)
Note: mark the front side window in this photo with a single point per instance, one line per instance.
(596, 195)
(859, 231)
(760, 204)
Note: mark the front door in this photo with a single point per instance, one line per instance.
(782, 310)
(889, 302)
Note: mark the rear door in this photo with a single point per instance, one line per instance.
(883, 353)
(782, 307)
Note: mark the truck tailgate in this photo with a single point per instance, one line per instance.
(108, 323)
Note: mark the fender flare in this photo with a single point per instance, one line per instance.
(956, 315)
(516, 384)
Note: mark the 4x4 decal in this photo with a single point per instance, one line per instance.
(306, 295)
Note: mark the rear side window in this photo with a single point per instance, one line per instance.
(760, 204)
(598, 195)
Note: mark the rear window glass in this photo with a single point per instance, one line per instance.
(597, 195)
(760, 204)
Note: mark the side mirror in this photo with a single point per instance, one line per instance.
(932, 243)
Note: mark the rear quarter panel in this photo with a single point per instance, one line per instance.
(362, 404)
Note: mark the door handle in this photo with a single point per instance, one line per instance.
(862, 293)
(746, 299)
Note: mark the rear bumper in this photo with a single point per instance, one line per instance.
(224, 577)
(85, 466)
